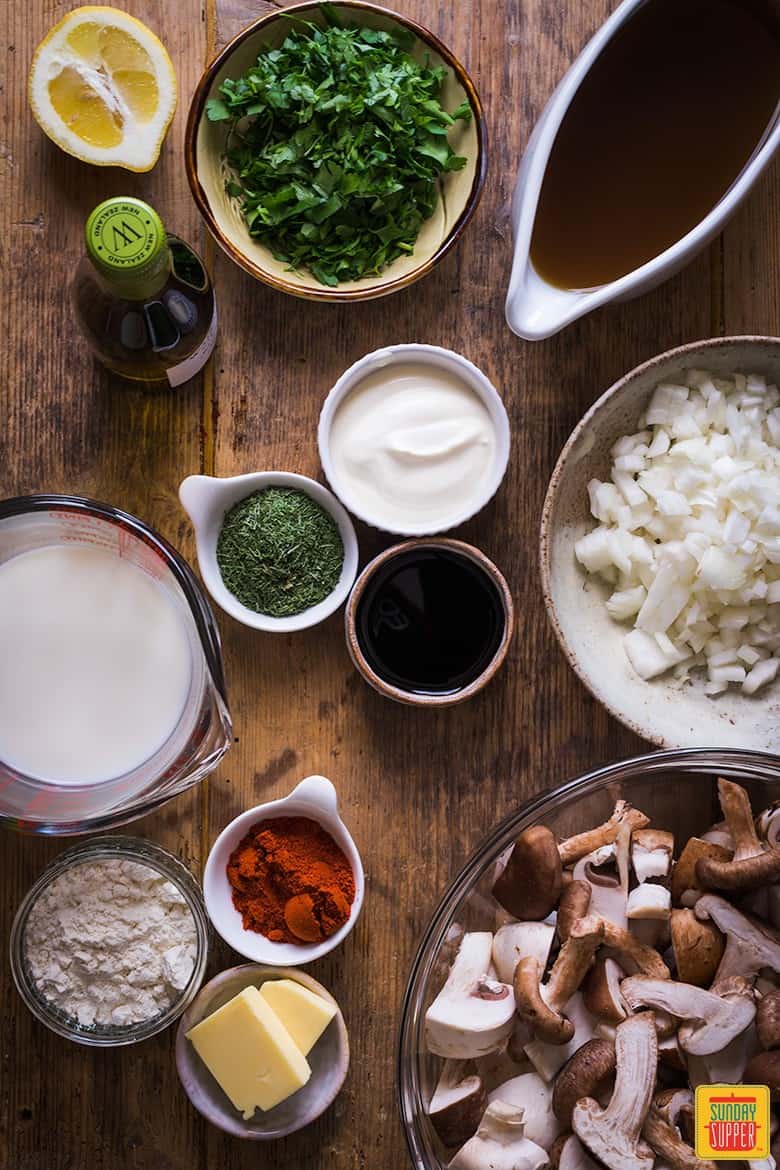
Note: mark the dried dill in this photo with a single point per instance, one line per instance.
(279, 552)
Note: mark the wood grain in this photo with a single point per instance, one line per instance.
(418, 789)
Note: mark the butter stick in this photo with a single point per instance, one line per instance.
(250, 1053)
(304, 1014)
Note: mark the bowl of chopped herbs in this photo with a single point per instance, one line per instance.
(336, 150)
(276, 550)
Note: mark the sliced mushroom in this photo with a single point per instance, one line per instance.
(535, 1096)
(500, 1143)
(664, 1137)
(608, 890)
(530, 884)
(649, 901)
(521, 940)
(726, 1067)
(676, 1107)
(768, 825)
(710, 1021)
(651, 853)
(472, 1014)
(768, 1020)
(457, 1104)
(750, 944)
(582, 1076)
(754, 863)
(613, 1134)
(632, 954)
(601, 990)
(686, 887)
(541, 1005)
(698, 947)
(574, 904)
(568, 1153)
(764, 1069)
(578, 846)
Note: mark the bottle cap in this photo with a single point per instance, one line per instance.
(124, 235)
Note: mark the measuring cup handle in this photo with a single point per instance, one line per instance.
(320, 791)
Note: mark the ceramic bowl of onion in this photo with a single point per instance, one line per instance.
(660, 546)
(276, 550)
(283, 883)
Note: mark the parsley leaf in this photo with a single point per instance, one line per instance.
(337, 143)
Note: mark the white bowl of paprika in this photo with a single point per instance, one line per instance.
(284, 882)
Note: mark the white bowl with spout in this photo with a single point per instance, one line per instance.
(536, 309)
(315, 797)
(206, 499)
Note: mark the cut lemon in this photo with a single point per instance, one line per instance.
(103, 88)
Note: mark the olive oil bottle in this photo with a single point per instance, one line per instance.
(142, 297)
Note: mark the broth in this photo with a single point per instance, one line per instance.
(659, 129)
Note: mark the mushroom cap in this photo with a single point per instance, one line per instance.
(581, 1076)
(768, 1020)
(601, 990)
(764, 1069)
(684, 873)
(517, 940)
(531, 1093)
(530, 884)
(698, 947)
(457, 1104)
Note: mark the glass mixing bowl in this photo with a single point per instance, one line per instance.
(677, 790)
(203, 733)
(129, 849)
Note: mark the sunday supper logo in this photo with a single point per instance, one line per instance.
(732, 1122)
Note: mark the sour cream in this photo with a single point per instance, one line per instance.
(412, 448)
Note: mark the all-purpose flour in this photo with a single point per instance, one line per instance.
(110, 941)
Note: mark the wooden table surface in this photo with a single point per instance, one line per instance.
(419, 790)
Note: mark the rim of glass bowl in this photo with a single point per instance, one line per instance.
(205, 624)
(145, 853)
(707, 761)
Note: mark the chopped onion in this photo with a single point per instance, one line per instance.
(688, 532)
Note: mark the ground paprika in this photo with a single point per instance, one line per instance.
(291, 881)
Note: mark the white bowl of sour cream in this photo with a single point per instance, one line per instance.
(414, 439)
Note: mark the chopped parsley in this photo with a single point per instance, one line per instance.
(337, 142)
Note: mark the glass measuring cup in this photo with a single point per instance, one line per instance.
(204, 731)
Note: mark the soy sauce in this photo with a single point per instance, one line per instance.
(657, 132)
(430, 621)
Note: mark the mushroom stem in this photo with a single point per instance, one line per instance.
(632, 954)
(712, 1021)
(541, 1006)
(613, 1134)
(750, 945)
(753, 864)
(668, 1144)
(574, 904)
(578, 846)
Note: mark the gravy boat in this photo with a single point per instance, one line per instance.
(536, 309)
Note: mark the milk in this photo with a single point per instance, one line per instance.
(95, 664)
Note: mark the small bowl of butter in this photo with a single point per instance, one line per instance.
(414, 439)
(262, 1051)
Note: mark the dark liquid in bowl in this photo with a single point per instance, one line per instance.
(658, 131)
(430, 621)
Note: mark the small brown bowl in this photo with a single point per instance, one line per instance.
(460, 191)
(411, 698)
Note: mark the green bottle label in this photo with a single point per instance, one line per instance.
(124, 235)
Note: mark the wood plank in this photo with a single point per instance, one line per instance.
(421, 789)
(418, 790)
(68, 426)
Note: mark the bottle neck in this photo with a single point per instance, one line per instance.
(141, 284)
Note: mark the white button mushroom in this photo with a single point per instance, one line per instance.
(500, 1143)
(472, 1014)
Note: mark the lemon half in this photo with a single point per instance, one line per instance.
(102, 87)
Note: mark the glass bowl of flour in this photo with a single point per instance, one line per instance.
(109, 946)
